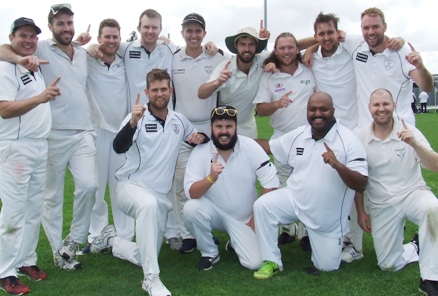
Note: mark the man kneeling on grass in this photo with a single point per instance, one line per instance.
(220, 180)
(329, 165)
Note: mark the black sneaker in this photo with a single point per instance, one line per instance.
(188, 245)
(206, 263)
(285, 238)
(216, 240)
(429, 288)
(416, 242)
(305, 244)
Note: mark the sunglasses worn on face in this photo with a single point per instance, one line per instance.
(57, 7)
(221, 111)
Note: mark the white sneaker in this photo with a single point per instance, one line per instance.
(68, 249)
(349, 254)
(65, 264)
(153, 285)
(100, 243)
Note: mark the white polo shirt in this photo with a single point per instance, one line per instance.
(70, 110)
(240, 89)
(138, 63)
(394, 166)
(235, 190)
(335, 76)
(274, 85)
(322, 198)
(107, 93)
(18, 84)
(151, 159)
(389, 70)
(188, 74)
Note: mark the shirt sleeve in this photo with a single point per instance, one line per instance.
(263, 95)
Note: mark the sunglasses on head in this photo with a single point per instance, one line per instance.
(221, 111)
(57, 7)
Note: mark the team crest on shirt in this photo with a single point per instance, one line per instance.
(278, 87)
(176, 128)
(208, 69)
(400, 152)
(389, 63)
(300, 151)
(160, 52)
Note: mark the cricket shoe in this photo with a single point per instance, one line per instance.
(206, 263)
(32, 272)
(66, 264)
(69, 248)
(267, 270)
(349, 254)
(188, 245)
(429, 288)
(101, 243)
(12, 285)
(153, 285)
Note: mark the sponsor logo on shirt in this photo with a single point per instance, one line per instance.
(179, 71)
(134, 54)
(305, 82)
(389, 63)
(208, 69)
(278, 87)
(400, 152)
(176, 128)
(26, 79)
(361, 57)
(151, 128)
(300, 151)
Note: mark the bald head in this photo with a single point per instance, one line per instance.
(381, 106)
(320, 113)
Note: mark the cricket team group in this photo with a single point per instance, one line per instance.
(172, 132)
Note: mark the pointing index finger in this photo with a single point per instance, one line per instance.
(327, 147)
(54, 82)
(261, 24)
(404, 124)
(137, 100)
(88, 29)
(226, 65)
(410, 45)
(215, 157)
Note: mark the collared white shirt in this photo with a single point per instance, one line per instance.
(394, 166)
(235, 190)
(107, 93)
(17, 84)
(70, 110)
(335, 76)
(389, 70)
(323, 200)
(274, 85)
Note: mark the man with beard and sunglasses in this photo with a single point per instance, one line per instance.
(220, 182)
(329, 165)
(71, 140)
(237, 79)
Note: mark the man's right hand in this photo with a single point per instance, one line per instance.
(224, 75)
(51, 91)
(137, 112)
(216, 168)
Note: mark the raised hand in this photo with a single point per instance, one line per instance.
(414, 58)
(137, 112)
(51, 91)
(224, 75)
(32, 63)
(284, 101)
(84, 38)
(263, 32)
(406, 134)
(216, 168)
(329, 156)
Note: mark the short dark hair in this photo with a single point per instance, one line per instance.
(150, 13)
(112, 23)
(157, 75)
(326, 18)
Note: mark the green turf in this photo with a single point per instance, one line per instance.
(105, 275)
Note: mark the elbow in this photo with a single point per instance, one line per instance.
(361, 185)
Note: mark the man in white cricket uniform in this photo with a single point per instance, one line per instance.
(71, 140)
(25, 122)
(192, 66)
(108, 96)
(237, 79)
(423, 96)
(150, 138)
(283, 95)
(220, 181)
(396, 191)
(377, 66)
(328, 164)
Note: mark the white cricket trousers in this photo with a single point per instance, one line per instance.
(107, 162)
(23, 165)
(149, 209)
(202, 216)
(75, 149)
(419, 207)
(278, 207)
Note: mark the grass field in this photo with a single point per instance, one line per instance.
(105, 275)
